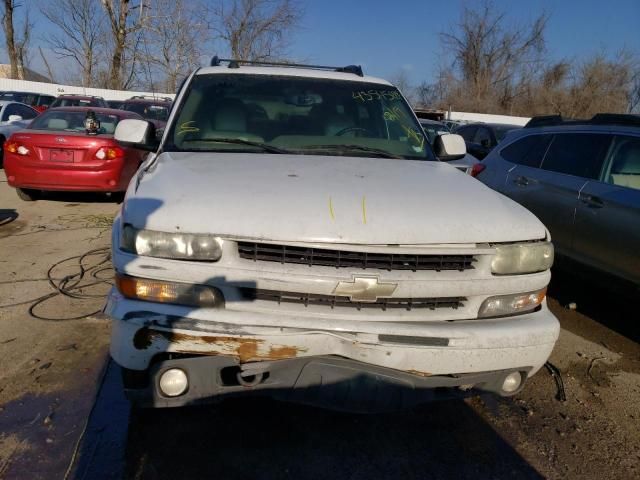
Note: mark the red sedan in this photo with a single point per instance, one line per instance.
(69, 148)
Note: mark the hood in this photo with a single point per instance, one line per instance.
(310, 198)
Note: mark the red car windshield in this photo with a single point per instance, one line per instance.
(61, 120)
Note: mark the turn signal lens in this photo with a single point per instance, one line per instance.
(511, 304)
(109, 153)
(169, 292)
(14, 147)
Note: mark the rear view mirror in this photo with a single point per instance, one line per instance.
(449, 147)
(138, 134)
(14, 118)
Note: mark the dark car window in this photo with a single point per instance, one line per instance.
(45, 100)
(528, 151)
(149, 111)
(624, 169)
(579, 154)
(78, 102)
(467, 132)
(26, 112)
(482, 135)
(11, 109)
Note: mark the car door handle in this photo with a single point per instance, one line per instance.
(592, 201)
(521, 181)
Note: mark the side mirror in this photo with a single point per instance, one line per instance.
(138, 134)
(14, 118)
(449, 147)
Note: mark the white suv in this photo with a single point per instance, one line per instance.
(294, 235)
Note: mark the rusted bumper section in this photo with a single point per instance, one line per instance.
(328, 382)
(140, 338)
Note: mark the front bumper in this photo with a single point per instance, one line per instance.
(420, 353)
(328, 381)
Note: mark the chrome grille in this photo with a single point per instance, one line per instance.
(334, 301)
(265, 252)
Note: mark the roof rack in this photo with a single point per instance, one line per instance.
(235, 63)
(620, 119)
(79, 95)
(151, 97)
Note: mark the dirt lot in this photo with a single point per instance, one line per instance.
(62, 415)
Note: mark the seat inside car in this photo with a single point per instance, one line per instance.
(57, 124)
(625, 170)
(230, 116)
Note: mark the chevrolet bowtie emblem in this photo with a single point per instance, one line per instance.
(364, 289)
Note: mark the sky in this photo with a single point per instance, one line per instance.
(387, 37)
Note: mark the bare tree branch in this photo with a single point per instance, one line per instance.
(257, 29)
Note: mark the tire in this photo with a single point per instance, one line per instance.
(27, 195)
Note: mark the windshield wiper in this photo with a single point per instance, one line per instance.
(359, 148)
(238, 141)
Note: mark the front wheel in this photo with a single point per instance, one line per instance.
(27, 195)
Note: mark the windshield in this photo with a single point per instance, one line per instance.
(296, 115)
(28, 98)
(61, 120)
(77, 102)
(148, 111)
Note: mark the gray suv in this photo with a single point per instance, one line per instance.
(582, 179)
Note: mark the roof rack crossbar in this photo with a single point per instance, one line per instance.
(235, 63)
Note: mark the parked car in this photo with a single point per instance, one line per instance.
(434, 129)
(115, 104)
(39, 101)
(74, 100)
(481, 138)
(293, 235)
(582, 179)
(56, 153)
(154, 109)
(13, 117)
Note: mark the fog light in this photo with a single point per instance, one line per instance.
(173, 382)
(511, 382)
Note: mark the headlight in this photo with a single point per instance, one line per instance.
(511, 304)
(179, 246)
(169, 292)
(522, 258)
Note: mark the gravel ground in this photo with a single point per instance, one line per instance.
(60, 407)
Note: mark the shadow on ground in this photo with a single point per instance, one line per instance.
(82, 197)
(608, 303)
(262, 439)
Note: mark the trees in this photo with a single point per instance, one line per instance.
(124, 28)
(256, 29)
(497, 67)
(493, 60)
(79, 34)
(152, 44)
(172, 41)
(17, 47)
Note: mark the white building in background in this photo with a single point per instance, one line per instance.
(44, 86)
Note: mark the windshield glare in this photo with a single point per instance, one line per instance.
(299, 115)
